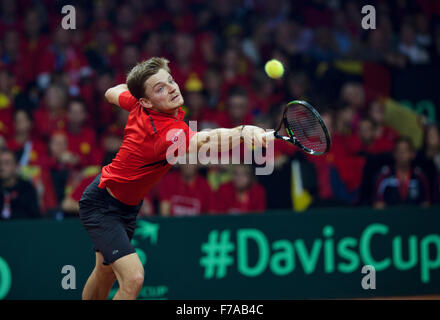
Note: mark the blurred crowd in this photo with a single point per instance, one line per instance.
(57, 130)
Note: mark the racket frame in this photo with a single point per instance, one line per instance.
(291, 134)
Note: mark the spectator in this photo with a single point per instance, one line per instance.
(70, 203)
(402, 183)
(6, 103)
(129, 57)
(197, 109)
(298, 86)
(212, 84)
(184, 64)
(428, 158)
(18, 198)
(60, 165)
(242, 195)
(28, 149)
(111, 141)
(264, 94)
(35, 43)
(52, 116)
(237, 110)
(103, 114)
(353, 94)
(185, 193)
(81, 137)
(63, 56)
(323, 47)
(151, 45)
(101, 51)
(385, 136)
(409, 47)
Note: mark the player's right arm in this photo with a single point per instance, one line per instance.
(120, 96)
(222, 139)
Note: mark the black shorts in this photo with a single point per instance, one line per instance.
(109, 222)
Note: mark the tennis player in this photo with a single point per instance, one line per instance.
(110, 204)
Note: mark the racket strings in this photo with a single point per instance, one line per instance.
(307, 128)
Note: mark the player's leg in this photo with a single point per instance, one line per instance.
(130, 274)
(100, 281)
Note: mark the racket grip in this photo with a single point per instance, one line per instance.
(269, 135)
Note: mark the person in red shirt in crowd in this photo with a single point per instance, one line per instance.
(242, 194)
(52, 115)
(60, 165)
(33, 44)
(299, 86)
(151, 45)
(237, 110)
(195, 102)
(325, 163)
(70, 203)
(205, 48)
(184, 64)
(9, 18)
(264, 94)
(102, 114)
(7, 96)
(366, 140)
(375, 142)
(385, 136)
(81, 138)
(62, 56)
(29, 149)
(154, 133)
(111, 142)
(185, 192)
(13, 58)
(353, 95)
(178, 14)
(212, 82)
(129, 57)
(348, 166)
(236, 71)
(102, 51)
(126, 29)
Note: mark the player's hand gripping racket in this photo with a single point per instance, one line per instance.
(304, 127)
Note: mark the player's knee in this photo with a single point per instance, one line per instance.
(133, 283)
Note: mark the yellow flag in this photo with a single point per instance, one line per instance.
(301, 198)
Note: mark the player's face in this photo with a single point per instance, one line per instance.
(163, 93)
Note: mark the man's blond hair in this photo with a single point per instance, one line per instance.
(140, 73)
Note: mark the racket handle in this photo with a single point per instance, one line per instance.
(269, 134)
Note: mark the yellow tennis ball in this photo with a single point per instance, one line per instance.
(274, 69)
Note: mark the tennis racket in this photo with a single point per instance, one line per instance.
(304, 127)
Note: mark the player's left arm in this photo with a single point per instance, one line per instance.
(120, 95)
(112, 94)
(222, 139)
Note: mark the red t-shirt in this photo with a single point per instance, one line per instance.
(83, 144)
(254, 199)
(142, 157)
(186, 199)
